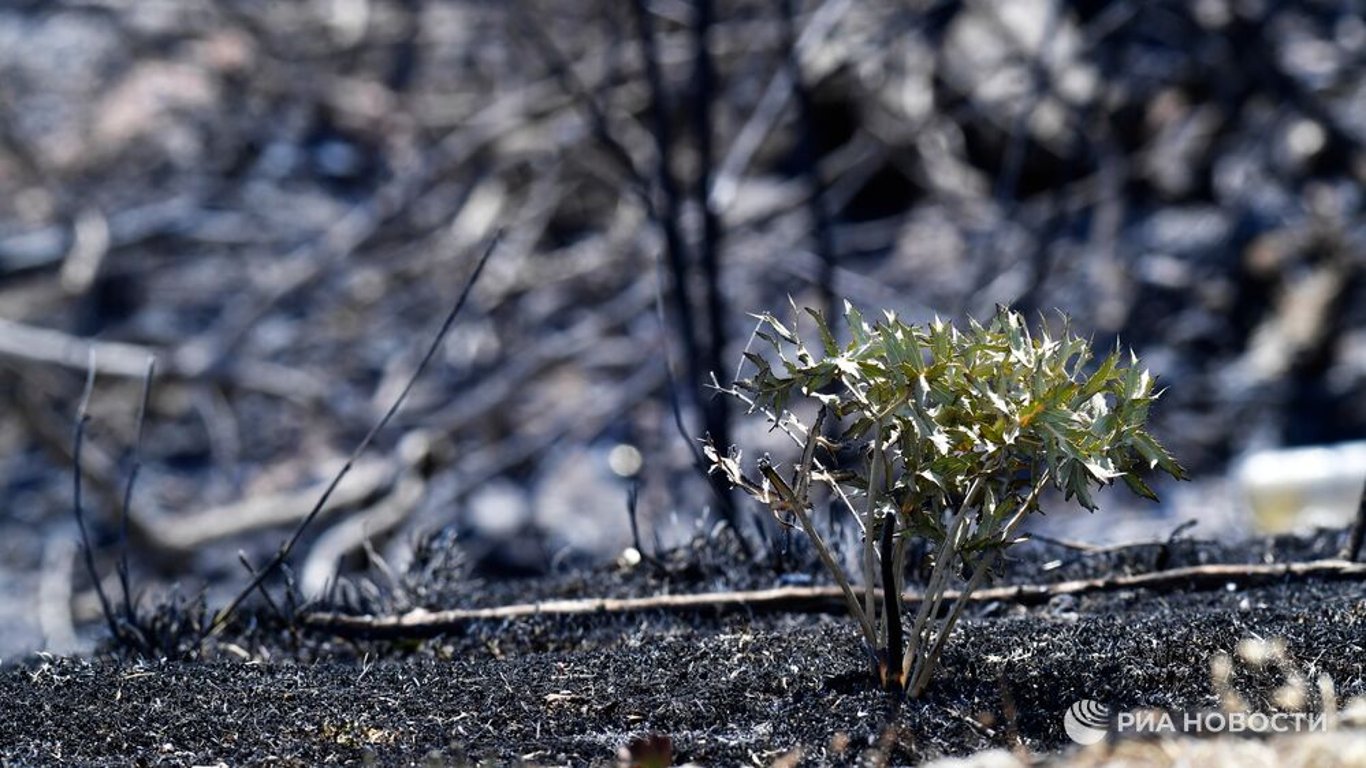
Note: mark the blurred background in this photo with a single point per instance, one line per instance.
(280, 201)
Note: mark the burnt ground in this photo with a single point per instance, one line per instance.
(725, 691)
(278, 201)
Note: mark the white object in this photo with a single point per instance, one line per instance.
(1296, 489)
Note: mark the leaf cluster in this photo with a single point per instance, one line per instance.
(995, 405)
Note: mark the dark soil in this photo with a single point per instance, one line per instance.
(740, 690)
(279, 200)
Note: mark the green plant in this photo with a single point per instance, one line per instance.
(953, 436)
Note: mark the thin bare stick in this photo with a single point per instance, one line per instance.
(128, 490)
(283, 553)
(82, 418)
(632, 507)
(265, 593)
(877, 476)
(829, 599)
(669, 217)
(799, 508)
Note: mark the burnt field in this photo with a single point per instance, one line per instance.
(280, 204)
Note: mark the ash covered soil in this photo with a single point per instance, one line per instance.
(739, 689)
(276, 201)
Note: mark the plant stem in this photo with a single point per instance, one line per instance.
(891, 609)
(934, 596)
(82, 419)
(799, 506)
(837, 573)
(920, 679)
(876, 474)
(899, 565)
(934, 589)
(925, 665)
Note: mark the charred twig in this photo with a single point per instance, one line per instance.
(422, 623)
(321, 565)
(36, 397)
(715, 410)
(265, 593)
(896, 641)
(288, 546)
(632, 504)
(128, 613)
(83, 418)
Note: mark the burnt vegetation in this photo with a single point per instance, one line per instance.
(444, 301)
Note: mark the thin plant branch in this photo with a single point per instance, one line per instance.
(876, 480)
(78, 440)
(133, 471)
(799, 505)
(926, 666)
(221, 619)
(936, 586)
